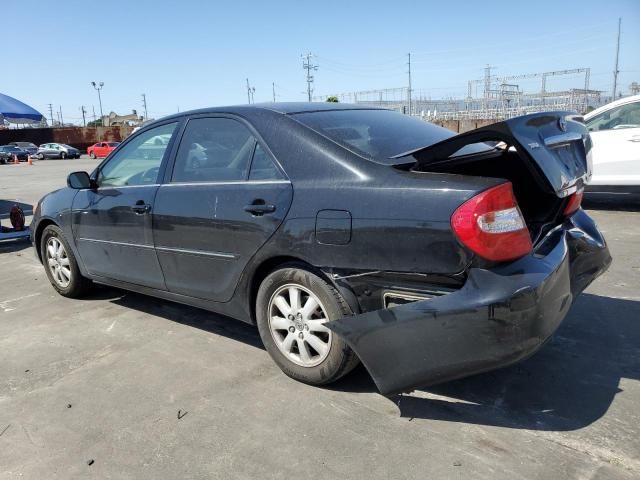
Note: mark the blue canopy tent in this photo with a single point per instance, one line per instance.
(14, 111)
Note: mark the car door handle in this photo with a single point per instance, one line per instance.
(141, 208)
(259, 207)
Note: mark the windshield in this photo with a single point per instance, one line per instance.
(25, 144)
(113, 144)
(378, 135)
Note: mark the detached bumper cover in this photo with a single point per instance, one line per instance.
(499, 317)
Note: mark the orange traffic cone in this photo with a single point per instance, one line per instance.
(30, 161)
(15, 160)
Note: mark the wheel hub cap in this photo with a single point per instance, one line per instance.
(296, 322)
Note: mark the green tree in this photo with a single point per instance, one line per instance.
(332, 99)
(94, 123)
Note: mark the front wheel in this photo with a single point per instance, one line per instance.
(292, 306)
(60, 264)
(63, 155)
(92, 154)
(41, 156)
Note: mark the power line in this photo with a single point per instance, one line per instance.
(309, 67)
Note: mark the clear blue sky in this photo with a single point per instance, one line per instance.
(194, 53)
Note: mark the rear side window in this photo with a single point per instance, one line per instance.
(262, 167)
(213, 150)
(374, 134)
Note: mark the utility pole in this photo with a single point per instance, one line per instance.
(308, 66)
(250, 91)
(51, 114)
(144, 104)
(409, 88)
(95, 119)
(61, 119)
(84, 120)
(615, 70)
(98, 87)
(273, 88)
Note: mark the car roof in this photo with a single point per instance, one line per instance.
(610, 105)
(285, 108)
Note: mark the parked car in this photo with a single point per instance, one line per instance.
(615, 133)
(5, 157)
(30, 148)
(57, 150)
(343, 232)
(101, 149)
(14, 151)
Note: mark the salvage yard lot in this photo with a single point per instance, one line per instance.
(150, 389)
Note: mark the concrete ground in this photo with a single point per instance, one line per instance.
(127, 387)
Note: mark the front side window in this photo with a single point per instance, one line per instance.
(624, 116)
(213, 150)
(138, 162)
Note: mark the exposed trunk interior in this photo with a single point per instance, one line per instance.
(544, 155)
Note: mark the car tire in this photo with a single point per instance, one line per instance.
(68, 281)
(63, 155)
(323, 366)
(41, 156)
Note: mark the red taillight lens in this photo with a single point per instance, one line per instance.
(574, 203)
(491, 225)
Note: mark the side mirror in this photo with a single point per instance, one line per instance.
(79, 180)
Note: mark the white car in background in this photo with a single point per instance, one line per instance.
(615, 132)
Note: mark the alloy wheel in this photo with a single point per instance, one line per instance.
(296, 321)
(58, 262)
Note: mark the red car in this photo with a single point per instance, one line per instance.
(102, 149)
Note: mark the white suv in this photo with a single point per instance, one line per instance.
(615, 132)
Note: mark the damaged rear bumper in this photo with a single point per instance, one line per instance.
(499, 316)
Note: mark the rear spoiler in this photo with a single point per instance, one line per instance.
(556, 144)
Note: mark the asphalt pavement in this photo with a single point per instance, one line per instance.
(123, 386)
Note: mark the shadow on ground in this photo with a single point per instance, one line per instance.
(184, 314)
(611, 202)
(567, 385)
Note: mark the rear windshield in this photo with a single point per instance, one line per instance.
(113, 144)
(378, 135)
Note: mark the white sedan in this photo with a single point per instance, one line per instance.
(615, 132)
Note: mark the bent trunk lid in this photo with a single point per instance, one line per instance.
(556, 145)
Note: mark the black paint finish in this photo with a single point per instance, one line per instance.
(370, 226)
(498, 317)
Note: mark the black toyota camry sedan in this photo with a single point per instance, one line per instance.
(344, 233)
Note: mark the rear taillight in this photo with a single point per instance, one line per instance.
(492, 226)
(574, 203)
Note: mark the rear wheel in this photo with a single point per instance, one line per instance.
(60, 264)
(292, 306)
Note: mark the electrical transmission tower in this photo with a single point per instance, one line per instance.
(51, 114)
(309, 67)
